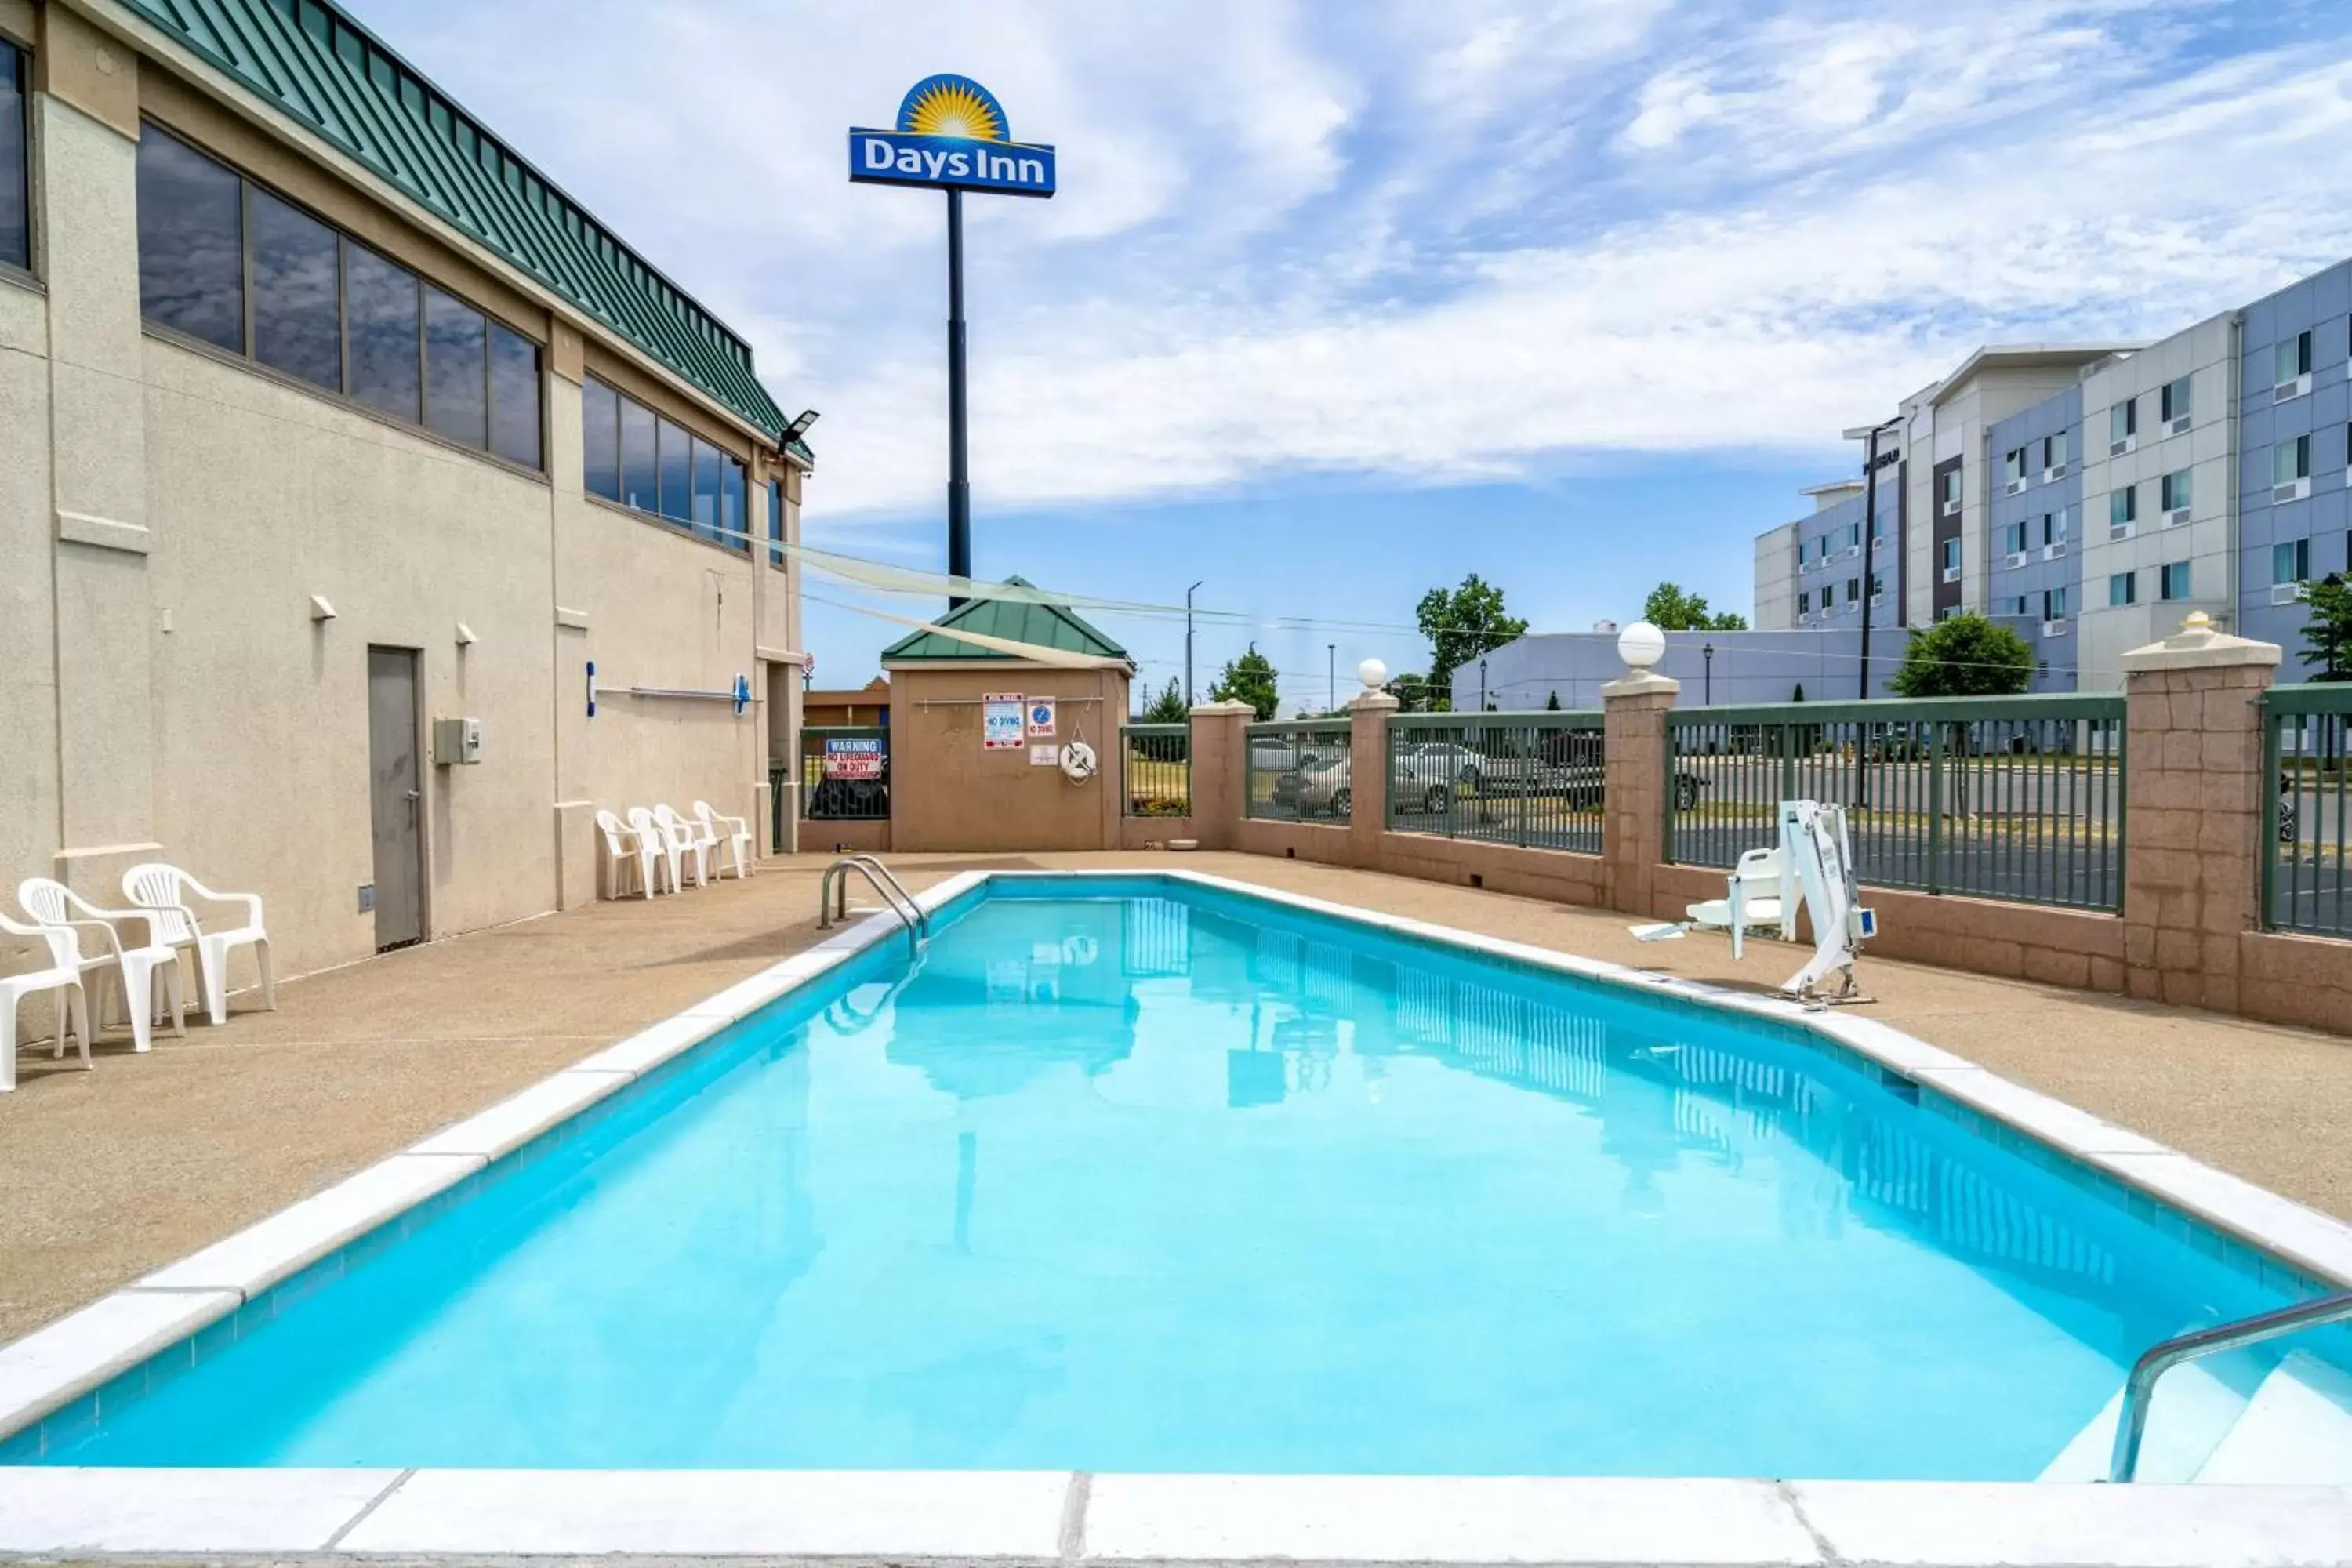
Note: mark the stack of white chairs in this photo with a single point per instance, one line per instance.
(653, 850)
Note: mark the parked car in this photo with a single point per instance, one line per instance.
(1441, 772)
(1317, 786)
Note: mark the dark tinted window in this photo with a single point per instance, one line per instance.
(15, 205)
(599, 438)
(776, 521)
(676, 473)
(731, 506)
(455, 371)
(191, 242)
(382, 302)
(514, 396)
(706, 489)
(297, 320)
(640, 468)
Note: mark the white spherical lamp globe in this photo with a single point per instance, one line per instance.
(1373, 673)
(1641, 644)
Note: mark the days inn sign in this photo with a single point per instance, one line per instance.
(951, 134)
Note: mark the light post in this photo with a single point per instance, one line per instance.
(1482, 683)
(1189, 698)
(1706, 657)
(1332, 675)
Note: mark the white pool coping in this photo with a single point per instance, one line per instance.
(952, 1517)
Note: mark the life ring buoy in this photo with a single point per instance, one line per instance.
(1078, 762)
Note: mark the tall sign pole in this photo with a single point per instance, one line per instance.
(952, 135)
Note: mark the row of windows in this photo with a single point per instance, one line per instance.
(225, 262)
(2019, 537)
(632, 456)
(1853, 594)
(16, 183)
(1846, 538)
(2291, 457)
(2171, 582)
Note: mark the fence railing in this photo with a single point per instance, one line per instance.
(1156, 763)
(1298, 770)
(844, 773)
(2307, 864)
(2001, 798)
(780, 774)
(1535, 780)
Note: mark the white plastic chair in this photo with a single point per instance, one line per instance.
(1741, 910)
(63, 975)
(732, 831)
(624, 847)
(137, 965)
(163, 892)
(648, 831)
(688, 838)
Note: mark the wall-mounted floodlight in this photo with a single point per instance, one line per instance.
(798, 427)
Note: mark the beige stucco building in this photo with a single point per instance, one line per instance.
(323, 417)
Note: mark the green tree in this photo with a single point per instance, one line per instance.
(1967, 656)
(2327, 634)
(1169, 707)
(1249, 679)
(1413, 693)
(1670, 609)
(1462, 625)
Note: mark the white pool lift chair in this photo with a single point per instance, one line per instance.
(666, 850)
(1762, 897)
(688, 844)
(138, 964)
(63, 975)
(625, 846)
(164, 892)
(732, 831)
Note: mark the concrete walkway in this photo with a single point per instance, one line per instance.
(113, 1173)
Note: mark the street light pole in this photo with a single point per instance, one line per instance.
(959, 450)
(1332, 675)
(1482, 683)
(1189, 698)
(1706, 654)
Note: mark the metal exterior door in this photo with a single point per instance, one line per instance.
(396, 801)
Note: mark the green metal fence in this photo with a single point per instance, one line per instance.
(2307, 825)
(1536, 780)
(844, 773)
(1298, 770)
(2002, 797)
(1156, 761)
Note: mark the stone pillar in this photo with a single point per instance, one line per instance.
(1368, 775)
(1634, 819)
(2193, 814)
(1220, 751)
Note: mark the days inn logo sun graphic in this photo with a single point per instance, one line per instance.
(952, 106)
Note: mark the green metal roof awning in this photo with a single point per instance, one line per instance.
(333, 77)
(1043, 626)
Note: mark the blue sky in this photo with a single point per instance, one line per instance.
(1341, 301)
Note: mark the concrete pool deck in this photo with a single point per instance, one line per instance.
(147, 1159)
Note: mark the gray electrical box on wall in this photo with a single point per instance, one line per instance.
(457, 740)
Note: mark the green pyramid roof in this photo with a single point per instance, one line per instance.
(1048, 626)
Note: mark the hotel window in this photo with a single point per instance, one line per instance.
(1951, 555)
(1800, 552)
(2290, 358)
(1853, 536)
(1878, 523)
(1853, 590)
(2123, 505)
(16, 184)
(2015, 605)
(2123, 420)
(1877, 585)
(2123, 588)
(1952, 489)
(1805, 603)
(2013, 467)
(2290, 562)
(2053, 449)
(2053, 604)
(2012, 539)
(776, 522)
(2175, 489)
(2175, 581)
(225, 262)
(2175, 399)
(2291, 460)
(2054, 525)
(657, 467)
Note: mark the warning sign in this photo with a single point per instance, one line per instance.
(1041, 718)
(1000, 721)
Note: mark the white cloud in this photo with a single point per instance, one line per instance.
(1423, 241)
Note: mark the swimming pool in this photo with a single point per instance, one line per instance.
(1138, 1174)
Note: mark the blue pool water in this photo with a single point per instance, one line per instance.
(1137, 1176)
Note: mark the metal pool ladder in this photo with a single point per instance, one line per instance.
(2131, 1420)
(833, 897)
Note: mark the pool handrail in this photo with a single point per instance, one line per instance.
(833, 896)
(2131, 1420)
